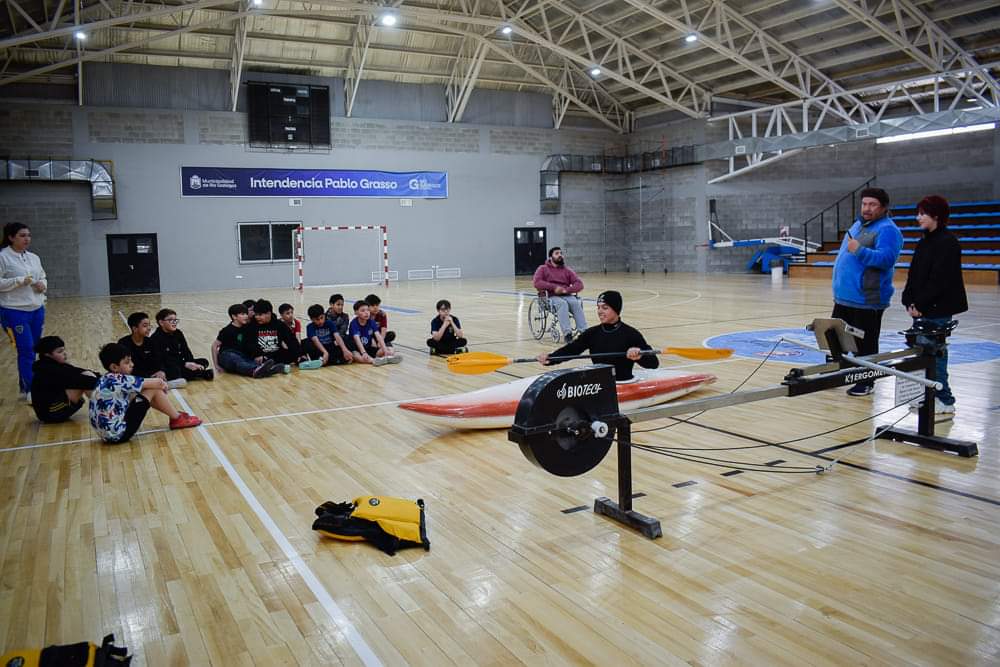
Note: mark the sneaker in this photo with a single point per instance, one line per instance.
(264, 369)
(943, 408)
(208, 374)
(380, 361)
(395, 359)
(277, 369)
(568, 338)
(184, 420)
(176, 384)
(310, 365)
(939, 407)
(861, 389)
(284, 368)
(390, 336)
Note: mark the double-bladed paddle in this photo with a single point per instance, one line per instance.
(477, 363)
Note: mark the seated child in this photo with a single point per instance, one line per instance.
(120, 400)
(249, 304)
(336, 316)
(369, 346)
(273, 339)
(145, 359)
(287, 314)
(57, 388)
(377, 314)
(323, 342)
(446, 331)
(229, 350)
(172, 348)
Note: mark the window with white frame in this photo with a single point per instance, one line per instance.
(266, 242)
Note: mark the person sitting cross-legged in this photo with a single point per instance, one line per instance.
(322, 341)
(172, 348)
(369, 346)
(446, 331)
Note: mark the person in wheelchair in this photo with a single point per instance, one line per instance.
(611, 335)
(561, 286)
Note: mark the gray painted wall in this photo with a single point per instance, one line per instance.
(493, 172)
(493, 178)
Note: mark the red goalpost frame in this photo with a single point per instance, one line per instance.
(326, 228)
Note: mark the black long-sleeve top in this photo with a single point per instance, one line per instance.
(618, 337)
(52, 379)
(934, 282)
(172, 349)
(146, 358)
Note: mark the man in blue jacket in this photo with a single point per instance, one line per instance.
(862, 274)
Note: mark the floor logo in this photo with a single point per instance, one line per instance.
(757, 344)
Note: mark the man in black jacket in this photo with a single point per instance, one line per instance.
(611, 335)
(934, 289)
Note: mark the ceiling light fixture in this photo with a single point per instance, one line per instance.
(388, 20)
(691, 38)
(81, 35)
(506, 30)
(595, 71)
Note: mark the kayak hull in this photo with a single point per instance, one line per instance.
(494, 407)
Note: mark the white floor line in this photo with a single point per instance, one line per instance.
(318, 411)
(354, 638)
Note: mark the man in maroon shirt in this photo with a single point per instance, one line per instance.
(563, 287)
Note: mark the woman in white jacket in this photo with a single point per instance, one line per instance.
(22, 297)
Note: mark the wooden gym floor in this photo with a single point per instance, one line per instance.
(195, 547)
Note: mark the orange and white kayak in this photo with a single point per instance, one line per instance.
(494, 407)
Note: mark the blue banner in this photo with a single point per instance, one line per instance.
(242, 182)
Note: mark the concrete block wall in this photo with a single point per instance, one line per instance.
(380, 135)
(222, 128)
(36, 132)
(136, 127)
(55, 214)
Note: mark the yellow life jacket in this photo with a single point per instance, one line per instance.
(388, 523)
(83, 654)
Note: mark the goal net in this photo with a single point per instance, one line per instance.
(342, 258)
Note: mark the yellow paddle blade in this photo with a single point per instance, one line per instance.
(476, 363)
(706, 353)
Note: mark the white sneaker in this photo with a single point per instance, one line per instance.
(380, 361)
(176, 384)
(939, 407)
(395, 359)
(943, 408)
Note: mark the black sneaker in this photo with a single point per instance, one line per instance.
(861, 389)
(390, 336)
(264, 369)
(208, 374)
(569, 338)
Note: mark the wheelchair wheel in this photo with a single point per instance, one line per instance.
(537, 318)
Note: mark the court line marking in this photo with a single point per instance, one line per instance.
(223, 422)
(323, 596)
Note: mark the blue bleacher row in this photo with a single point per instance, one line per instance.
(955, 205)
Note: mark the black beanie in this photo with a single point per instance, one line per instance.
(611, 299)
(48, 344)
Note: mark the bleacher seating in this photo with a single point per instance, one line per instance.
(975, 223)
